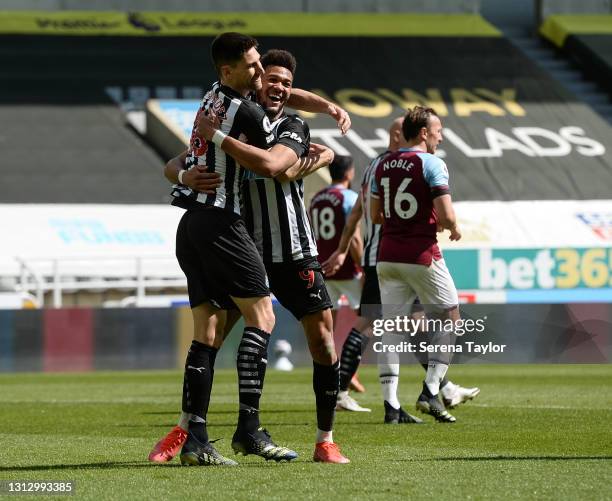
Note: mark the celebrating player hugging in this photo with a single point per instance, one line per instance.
(228, 260)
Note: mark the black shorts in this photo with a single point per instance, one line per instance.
(299, 286)
(370, 304)
(219, 258)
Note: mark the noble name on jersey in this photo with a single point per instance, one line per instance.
(407, 181)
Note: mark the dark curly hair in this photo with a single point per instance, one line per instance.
(278, 57)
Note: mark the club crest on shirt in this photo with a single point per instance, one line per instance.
(197, 144)
(219, 109)
(267, 126)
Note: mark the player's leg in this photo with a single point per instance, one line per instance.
(170, 445)
(252, 357)
(361, 330)
(437, 291)
(208, 322)
(243, 275)
(197, 383)
(355, 342)
(300, 288)
(395, 294)
(318, 327)
(209, 332)
(353, 348)
(250, 437)
(452, 394)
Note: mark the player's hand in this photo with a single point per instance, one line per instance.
(455, 234)
(199, 180)
(316, 149)
(340, 116)
(208, 124)
(333, 263)
(321, 153)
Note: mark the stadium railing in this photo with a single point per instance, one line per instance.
(141, 274)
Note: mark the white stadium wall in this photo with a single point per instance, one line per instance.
(515, 252)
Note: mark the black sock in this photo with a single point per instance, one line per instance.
(251, 365)
(197, 383)
(198, 430)
(325, 382)
(444, 381)
(353, 347)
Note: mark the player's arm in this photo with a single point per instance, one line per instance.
(303, 100)
(268, 163)
(445, 215)
(376, 212)
(336, 260)
(436, 175)
(356, 247)
(195, 178)
(318, 156)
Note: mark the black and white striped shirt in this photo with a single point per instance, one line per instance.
(274, 211)
(241, 118)
(372, 238)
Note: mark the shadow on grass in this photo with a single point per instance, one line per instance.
(210, 423)
(233, 412)
(264, 423)
(112, 465)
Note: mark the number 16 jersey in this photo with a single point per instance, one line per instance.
(406, 182)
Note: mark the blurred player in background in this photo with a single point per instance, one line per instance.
(329, 210)
(274, 213)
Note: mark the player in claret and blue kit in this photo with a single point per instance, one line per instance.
(410, 196)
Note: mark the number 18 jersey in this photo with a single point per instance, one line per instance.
(329, 210)
(406, 182)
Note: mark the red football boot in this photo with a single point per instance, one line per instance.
(169, 446)
(329, 452)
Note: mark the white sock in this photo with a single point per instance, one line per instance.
(183, 421)
(448, 388)
(324, 436)
(435, 373)
(342, 394)
(388, 375)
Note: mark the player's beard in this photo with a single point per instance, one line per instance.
(255, 84)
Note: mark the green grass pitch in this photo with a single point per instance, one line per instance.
(535, 432)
